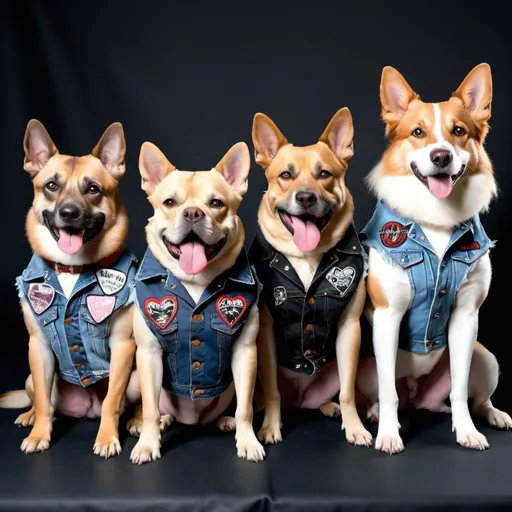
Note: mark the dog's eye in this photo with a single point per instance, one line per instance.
(285, 175)
(216, 203)
(324, 175)
(93, 189)
(458, 131)
(52, 186)
(418, 133)
(170, 203)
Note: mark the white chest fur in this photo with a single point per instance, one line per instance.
(194, 290)
(439, 238)
(305, 267)
(67, 282)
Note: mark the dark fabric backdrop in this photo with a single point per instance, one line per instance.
(189, 77)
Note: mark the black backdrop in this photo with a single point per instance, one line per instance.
(189, 76)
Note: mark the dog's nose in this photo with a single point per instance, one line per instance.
(69, 212)
(441, 157)
(305, 198)
(193, 214)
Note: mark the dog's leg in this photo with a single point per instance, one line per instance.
(122, 347)
(270, 431)
(244, 364)
(150, 371)
(483, 381)
(42, 365)
(368, 388)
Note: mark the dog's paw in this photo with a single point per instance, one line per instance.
(248, 447)
(35, 443)
(389, 443)
(270, 434)
(331, 410)
(26, 419)
(358, 435)
(134, 426)
(107, 445)
(165, 422)
(497, 418)
(372, 414)
(145, 451)
(472, 439)
(226, 424)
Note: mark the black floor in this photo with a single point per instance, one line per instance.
(313, 469)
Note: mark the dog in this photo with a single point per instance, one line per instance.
(76, 293)
(197, 317)
(308, 257)
(429, 266)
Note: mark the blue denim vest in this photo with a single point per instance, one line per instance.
(78, 327)
(197, 339)
(434, 282)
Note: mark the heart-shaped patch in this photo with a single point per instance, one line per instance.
(40, 296)
(231, 309)
(100, 306)
(341, 279)
(161, 312)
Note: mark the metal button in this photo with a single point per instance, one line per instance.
(198, 392)
(68, 320)
(422, 237)
(309, 328)
(287, 268)
(77, 365)
(86, 380)
(197, 318)
(413, 235)
(196, 365)
(173, 286)
(354, 247)
(443, 263)
(308, 352)
(75, 348)
(195, 343)
(442, 291)
(311, 301)
(430, 346)
(436, 316)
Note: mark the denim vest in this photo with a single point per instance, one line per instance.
(306, 321)
(434, 282)
(78, 327)
(197, 339)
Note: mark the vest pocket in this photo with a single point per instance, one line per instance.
(99, 334)
(168, 338)
(47, 322)
(406, 259)
(226, 336)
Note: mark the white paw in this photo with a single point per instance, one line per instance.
(107, 449)
(472, 439)
(497, 418)
(358, 435)
(34, 444)
(226, 423)
(165, 422)
(248, 447)
(270, 434)
(26, 419)
(145, 451)
(389, 443)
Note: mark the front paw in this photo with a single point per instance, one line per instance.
(472, 439)
(26, 419)
(249, 448)
(271, 433)
(134, 425)
(146, 450)
(107, 445)
(226, 424)
(35, 443)
(389, 443)
(331, 410)
(358, 435)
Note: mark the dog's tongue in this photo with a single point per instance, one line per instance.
(440, 186)
(70, 243)
(193, 258)
(306, 234)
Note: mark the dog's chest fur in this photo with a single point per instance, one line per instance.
(67, 282)
(439, 238)
(305, 267)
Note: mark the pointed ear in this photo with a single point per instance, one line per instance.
(38, 146)
(395, 95)
(111, 150)
(153, 167)
(235, 166)
(267, 139)
(339, 135)
(476, 92)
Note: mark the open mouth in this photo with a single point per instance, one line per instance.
(70, 239)
(306, 229)
(440, 185)
(192, 253)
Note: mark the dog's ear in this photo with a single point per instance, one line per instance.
(339, 135)
(267, 139)
(476, 93)
(38, 146)
(111, 150)
(235, 166)
(153, 167)
(395, 96)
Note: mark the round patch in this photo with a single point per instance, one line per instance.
(393, 234)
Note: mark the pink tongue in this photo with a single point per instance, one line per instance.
(306, 234)
(440, 186)
(70, 243)
(193, 258)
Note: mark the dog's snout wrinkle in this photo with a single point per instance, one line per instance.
(441, 157)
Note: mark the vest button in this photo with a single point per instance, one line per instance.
(68, 320)
(308, 352)
(198, 392)
(309, 328)
(443, 291)
(436, 316)
(197, 318)
(195, 343)
(311, 301)
(86, 380)
(196, 365)
(75, 348)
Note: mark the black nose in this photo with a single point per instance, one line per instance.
(306, 198)
(193, 214)
(70, 212)
(441, 157)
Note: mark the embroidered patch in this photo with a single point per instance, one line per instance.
(161, 312)
(40, 296)
(231, 309)
(100, 306)
(393, 234)
(279, 295)
(111, 281)
(341, 279)
(469, 247)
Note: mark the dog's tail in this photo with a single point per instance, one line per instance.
(18, 399)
